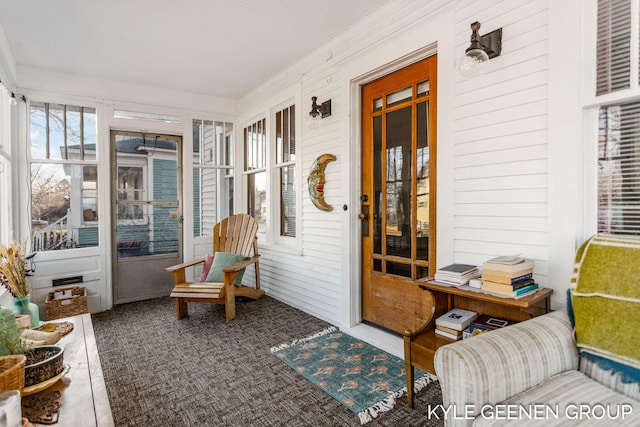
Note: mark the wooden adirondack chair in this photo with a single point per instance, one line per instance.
(235, 234)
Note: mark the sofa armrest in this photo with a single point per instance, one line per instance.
(491, 367)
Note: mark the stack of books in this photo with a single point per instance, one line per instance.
(451, 324)
(509, 276)
(456, 274)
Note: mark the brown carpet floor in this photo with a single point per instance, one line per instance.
(203, 371)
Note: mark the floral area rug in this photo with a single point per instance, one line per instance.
(365, 379)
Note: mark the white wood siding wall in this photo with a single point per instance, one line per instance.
(318, 279)
(494, 151)
(497, 188)
(500, 154)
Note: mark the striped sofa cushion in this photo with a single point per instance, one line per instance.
(569, 398)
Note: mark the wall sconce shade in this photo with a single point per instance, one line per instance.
(323, 110)
(481, 49)
(12, 99)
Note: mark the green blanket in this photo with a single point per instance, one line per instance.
(605, 297)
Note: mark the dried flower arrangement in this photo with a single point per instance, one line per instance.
(13, 269)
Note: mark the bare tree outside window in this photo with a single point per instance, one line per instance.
(63, 176)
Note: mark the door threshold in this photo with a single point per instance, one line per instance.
(387, 341)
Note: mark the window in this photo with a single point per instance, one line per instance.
(285, 165)
(212, 174)
(255, 161)
(270, 168)
(64, 178)
(618, 119)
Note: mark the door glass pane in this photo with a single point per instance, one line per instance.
(398, 269)
(421, 272)
(398, 183)
(399, 96)
(422, 157)
(377, 104)
(147, 195)
(376, 215)
(423, 88)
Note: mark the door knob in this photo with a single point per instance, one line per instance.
(363, 216)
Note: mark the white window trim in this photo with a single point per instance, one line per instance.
(271, 238)
(591, 103)
(273, 176)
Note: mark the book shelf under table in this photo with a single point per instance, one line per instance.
(420, 348)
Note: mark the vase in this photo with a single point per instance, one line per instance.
(23, 305)
(8, 331)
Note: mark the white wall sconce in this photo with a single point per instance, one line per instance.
(323, 110)
(481, 49)
(12, 99)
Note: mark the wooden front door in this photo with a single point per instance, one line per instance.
(398, 196)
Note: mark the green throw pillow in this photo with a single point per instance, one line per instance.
(222, 260)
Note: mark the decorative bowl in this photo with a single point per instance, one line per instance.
(43, 363)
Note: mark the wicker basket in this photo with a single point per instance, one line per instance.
(55, 308)
(12, 372)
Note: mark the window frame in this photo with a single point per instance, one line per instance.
(70, 161)
(276, 167)
(271, 234)
(225, 162)
(592, 103)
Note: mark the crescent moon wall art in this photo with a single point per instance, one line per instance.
(316, 181)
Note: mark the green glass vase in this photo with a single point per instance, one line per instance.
(23, 305)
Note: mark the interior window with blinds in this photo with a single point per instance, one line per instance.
(255, 167)
(619, 169)
(285, 164)
(613, 46)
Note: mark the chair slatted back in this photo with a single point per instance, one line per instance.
(236, 234)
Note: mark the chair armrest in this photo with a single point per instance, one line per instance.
(184, 265)
(491, 367)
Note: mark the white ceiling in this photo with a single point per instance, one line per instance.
(223, 48)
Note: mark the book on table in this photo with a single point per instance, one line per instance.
(506, 279)
(457, 319)
(491, 286)
(522, 267)
(449, 330)
(456, 274)
(507, 259)
(449, 335)
(509, 292)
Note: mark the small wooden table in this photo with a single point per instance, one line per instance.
(420, 346)
(84, 400)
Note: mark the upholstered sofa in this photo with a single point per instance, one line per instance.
(532, 365)
(579, 366)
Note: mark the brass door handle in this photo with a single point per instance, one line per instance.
(363, 216)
